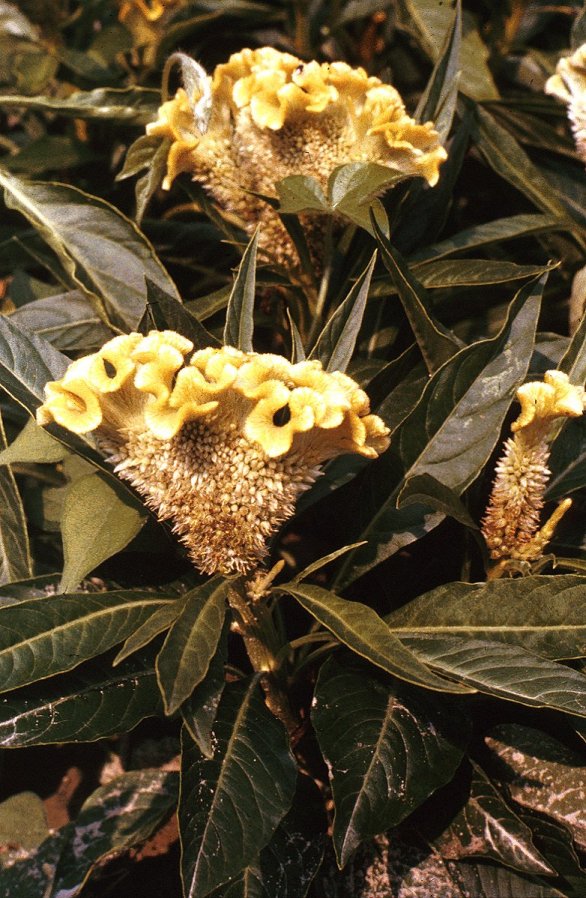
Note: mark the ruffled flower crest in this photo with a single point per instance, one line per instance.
(223, 443)
(272, 115)
(511, 523)
(569, 85)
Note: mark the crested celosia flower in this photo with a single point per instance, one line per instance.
(270, 115)
(146, 19)
(222, 444)
(569, 85)
(511, 523)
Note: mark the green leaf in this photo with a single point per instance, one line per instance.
(335, 345)
(568, 459)
(426, 490)
(545, 614)
(131, 105)
(15, 557)
(91, 703)
(26, 879)
(488, 880)
(438, 101)
(541, 774)
(297, 348)
(191, 643)
(450, 434)
(117, 816)
(555, 842)
(487, 827)
(353, 188)
(363, 631)
(231, 805)
(300, 193)
(321, 562)
(157, 623)
(150, 153)
(102, 251)
(240, 312)
(45, 636)
(200, 709)
(506, 671)
(23, 821)
(475, 272)
(437, 343)
(27, 362)
(169, 312)
(387, 747)
(99, 519)
(66, 320)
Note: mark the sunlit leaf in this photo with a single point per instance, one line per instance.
(132, 105)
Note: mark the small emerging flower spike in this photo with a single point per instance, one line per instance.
(272, 115)
(569, 85)
(511, 523)
(222, 444)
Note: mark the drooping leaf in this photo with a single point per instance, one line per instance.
(91, 703)
(505, 671)
(240, 312)
(157, 623)
(99, 519)
(44, 636)
(132, 105)
(543, 614)
(449, 435)
(387, 747)
(117, 816)
(437, 343)
(231, 805)
(67, 321)
(487, 827)
(542, 774)
(168, 312)
(426, 490)
(335, 345)
(200, 709)
(362, 630)
(103, 252)
(191, 643)
(15, 557)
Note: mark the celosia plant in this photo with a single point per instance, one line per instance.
(569, 85)
(266, 115)
(244, 481)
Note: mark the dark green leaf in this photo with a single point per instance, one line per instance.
(132, 105)
(199, 711)
(157, 623)
(321, 562)
(505, 671)
(428, 491)
(102, 251)
(488, 880)
(363, 631)
(123, 813)
(99, 519)
(335, 345)
(555, 842)
(26, 878)
(27, 362)
(66, 320)
(542, 774)
(545, 614)
(240, 312)
(169, 312)
(437, 343)
(91, 703)
(232, 804)
(191, 643)
(387, 747)
(487, 827)
(438, 101)
(568, 460)
(15, 558)
(297, 349)
(45, 636)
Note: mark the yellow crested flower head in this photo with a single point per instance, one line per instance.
(511, 523)
(145, 19)
(219, 441)
(569, 85)
(272, 115)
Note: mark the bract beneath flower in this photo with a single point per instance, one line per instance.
(222, 443)
(272, 116)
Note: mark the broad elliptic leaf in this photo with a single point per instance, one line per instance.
(487, 827)
(91, 703)
(103, 252)
(15, 558)
(437, 343)
(200, 709)
(543, 614)
(44, 636)
(335, 345)
(191, 642)
(362, 630)
(131, 105)
(231, 805)
(450, 434)
(300, 193)
(67, 320)
(240, 312)
(123, 813)
(542, 774)
(175, 316)
(387, 747)
(99, 519)
(504, 671)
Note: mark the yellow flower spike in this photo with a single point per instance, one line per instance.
(113, 365)
(221, 445)
(511, 522)
(273, 115)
